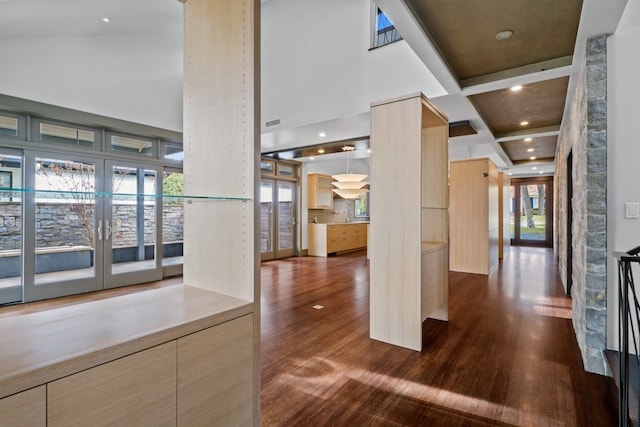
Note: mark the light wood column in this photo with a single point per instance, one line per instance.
(222, 154)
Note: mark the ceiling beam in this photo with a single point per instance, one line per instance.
(532, 73)
(528, 133)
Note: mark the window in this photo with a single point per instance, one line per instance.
(173, 152)
(66, 134)
(8, 126)
(267, 167)
(384, 31)
(131, 145)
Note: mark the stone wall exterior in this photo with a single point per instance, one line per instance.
(60, 225)
(584, 134)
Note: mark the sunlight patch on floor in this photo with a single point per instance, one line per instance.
(329, 375)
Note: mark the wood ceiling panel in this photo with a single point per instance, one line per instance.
(541, 104)
(543, 148)
(464, 32)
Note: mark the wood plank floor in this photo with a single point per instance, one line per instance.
(507, 356)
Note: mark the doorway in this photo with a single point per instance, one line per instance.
(531, 221)
(569, 240)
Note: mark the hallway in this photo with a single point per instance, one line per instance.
(507, 356)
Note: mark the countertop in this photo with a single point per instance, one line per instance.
(339, 223)
(41, 347)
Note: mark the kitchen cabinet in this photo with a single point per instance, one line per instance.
(148, 358)
(409, 219)
(475, 216)
(325, 239)
(138, 389)
(28, 408)
(320, 191)
(220, 393)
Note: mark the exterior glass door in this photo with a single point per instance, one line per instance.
(531, 216)
(10, 226)
(61, 246)
(286, 218)
(266, 220)
(131, 224)
(277, 218)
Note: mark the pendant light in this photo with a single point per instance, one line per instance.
(349, 185)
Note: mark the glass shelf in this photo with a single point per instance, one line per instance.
(6, 193)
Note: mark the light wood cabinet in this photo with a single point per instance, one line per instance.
(128, 360)
(320, 191)
(28, 408)
(475, 216)
(135, 390)
(325, 239)
(220, 393)
(409, 219)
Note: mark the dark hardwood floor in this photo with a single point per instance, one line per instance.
(507, 356)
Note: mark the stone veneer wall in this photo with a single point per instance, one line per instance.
(58, 225)
(584, 133)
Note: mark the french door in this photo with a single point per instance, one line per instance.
(277, 218)
(76, 224)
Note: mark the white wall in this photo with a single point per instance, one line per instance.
(136, 77)
(623, 150)
(316, 63)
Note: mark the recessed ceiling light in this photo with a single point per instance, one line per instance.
(532, 158)
(503, 35)
(321, 150)
(541, 172)
(312, 158)
(528, 139)
(106, 19)
(534, 168)
(516, 88)
(509, 174)
(529, 150)
(524, 123)
(322, 134)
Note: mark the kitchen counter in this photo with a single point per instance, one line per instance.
(325, 239)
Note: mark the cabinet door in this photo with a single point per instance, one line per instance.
(215, 375)
(28, 408)
(320, 191)
(136, 390)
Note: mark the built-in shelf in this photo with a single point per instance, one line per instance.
(85, 195)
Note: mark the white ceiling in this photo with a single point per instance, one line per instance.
(37, 18)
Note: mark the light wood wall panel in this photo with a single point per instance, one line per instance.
(474, 216)
(221, 141)
(504, 206)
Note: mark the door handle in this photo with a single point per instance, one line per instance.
(108, 230)
(100, 230)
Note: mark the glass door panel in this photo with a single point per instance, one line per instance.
(286, 219)
(61, 219)
(132, 253)
(532, 216)
(10, 226)
(266, 221)
(172, 222)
